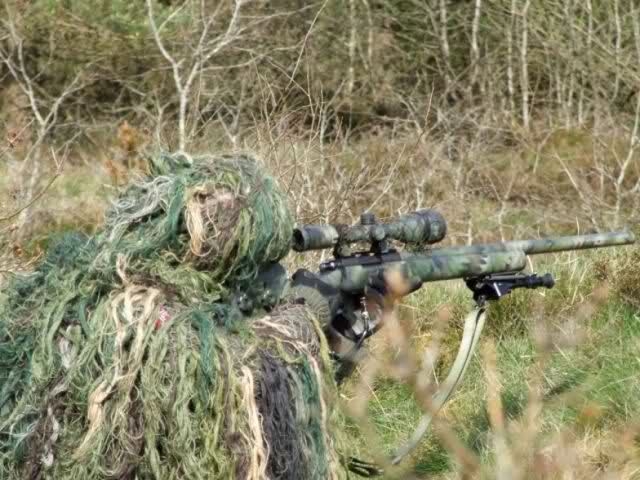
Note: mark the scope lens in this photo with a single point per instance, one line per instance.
(298, 240)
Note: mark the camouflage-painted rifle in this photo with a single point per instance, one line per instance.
(490, 270)
(341, 290)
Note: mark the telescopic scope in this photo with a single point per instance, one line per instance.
(419, 227)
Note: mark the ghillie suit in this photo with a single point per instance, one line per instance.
(123, 356)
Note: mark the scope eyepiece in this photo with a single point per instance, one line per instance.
(419, 227)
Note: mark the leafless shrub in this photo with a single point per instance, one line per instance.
(26, 150)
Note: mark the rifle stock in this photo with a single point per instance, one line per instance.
(352, 277)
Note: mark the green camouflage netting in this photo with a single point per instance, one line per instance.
(121, 356)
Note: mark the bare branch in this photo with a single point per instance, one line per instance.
(186, 69)
(40, 194)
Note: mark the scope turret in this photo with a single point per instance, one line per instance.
(419, 227)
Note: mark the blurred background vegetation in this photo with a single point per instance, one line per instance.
(506, 102)
(367, 63)
(514, 117)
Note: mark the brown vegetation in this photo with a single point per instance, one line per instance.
(513, 117)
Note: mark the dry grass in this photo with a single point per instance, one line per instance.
(558, 400)
(515, 119)
(556, 395)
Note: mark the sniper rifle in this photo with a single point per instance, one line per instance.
(340, 292)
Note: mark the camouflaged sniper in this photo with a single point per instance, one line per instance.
(124, 354)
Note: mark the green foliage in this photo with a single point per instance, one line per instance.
(106, 43)
(117, 16)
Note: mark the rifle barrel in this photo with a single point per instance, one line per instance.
(545, 245)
